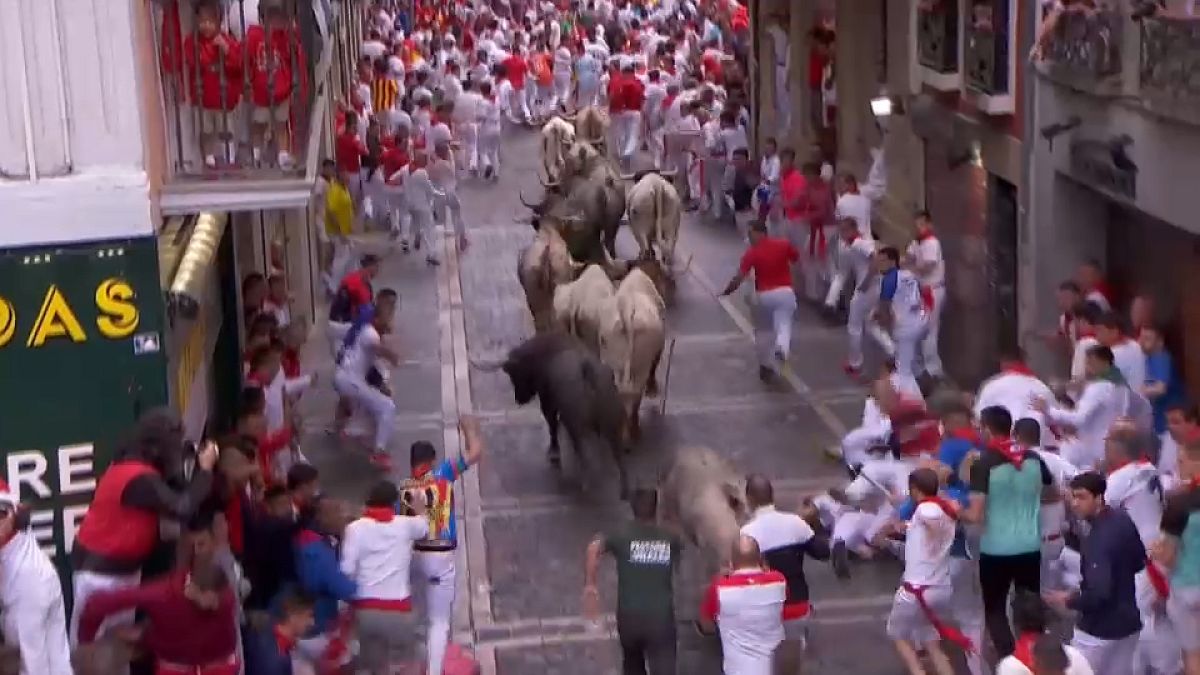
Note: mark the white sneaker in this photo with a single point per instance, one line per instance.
(210, 161)
(285, 161)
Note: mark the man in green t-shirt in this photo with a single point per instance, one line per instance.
(646, 555)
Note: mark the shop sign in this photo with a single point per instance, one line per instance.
(80, 329)
(1092, 162)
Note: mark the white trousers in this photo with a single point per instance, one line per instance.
(627, 135)
(905, 340)
(859, 528)
(656, 138)
(380, 405)
(397, 207)
(857, 441)
(714, 184)
(562, 89)
(815, 265)
(587, 92)
(438, 576)
(84, 584)
(341, 262)
(489, 150)
(448, 209)
(1106, 657)
(518, 105)
(36, 623)
(858, 311)
(420, 221)
(929, 345)
(967, 608)
(775, 310)
(468, 138)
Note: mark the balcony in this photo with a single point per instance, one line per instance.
(245, 106)
(1084, 52)
(1170, 67)
(990, 32)
(937, 44)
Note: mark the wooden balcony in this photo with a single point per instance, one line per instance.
(1169, 67)
(1085, 51)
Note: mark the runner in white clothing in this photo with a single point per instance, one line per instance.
(924, 257)
(925, 592)
(901, 309)
(357, 380)
(854, 266)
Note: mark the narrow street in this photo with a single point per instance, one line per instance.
(523, 528)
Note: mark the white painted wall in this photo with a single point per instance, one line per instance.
(69, 97)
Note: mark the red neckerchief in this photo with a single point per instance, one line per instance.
(1158, 579)
(420, 470)
(1016, 368)
(1121, 465)
(944, 504)
(1024, 649)
(965, 434)
(1011, 451)
(854, 237)
(379, 514)
(1084, 333)
(668, 101)
(925, 234)
(283, 642)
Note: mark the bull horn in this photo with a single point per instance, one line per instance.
(569, 118)
(669, 174)
(688, 265)
(487, 366)
(531, 207)
(545, 183)
(627, 176)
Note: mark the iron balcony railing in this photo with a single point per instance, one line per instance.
(1169, 66)
(1085, 49)
(937, 35)
(245, 83)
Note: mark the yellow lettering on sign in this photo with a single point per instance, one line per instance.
(118, 316)
(8, 321)
(55, 320)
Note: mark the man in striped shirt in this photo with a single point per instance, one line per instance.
(384, 92)
(747, 604)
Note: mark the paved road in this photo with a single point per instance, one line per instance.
(525, 527)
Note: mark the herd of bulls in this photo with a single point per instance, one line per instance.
(600, 328)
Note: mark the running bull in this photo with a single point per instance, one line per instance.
(543, 266)
(632, 336)
(557, 137)
(574, 387)
(588, 207)
(705, 497)
(591, 125)
(654, 215)
(581, 305)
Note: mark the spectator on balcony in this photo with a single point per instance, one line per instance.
(213, 68)
(278, 74)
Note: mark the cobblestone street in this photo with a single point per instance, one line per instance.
(524, 525)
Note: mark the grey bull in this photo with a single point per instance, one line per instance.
(588, 207)
(574, 387)
(705, 497)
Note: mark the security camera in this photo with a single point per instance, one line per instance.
(1050, 131)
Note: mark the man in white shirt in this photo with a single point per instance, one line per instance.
(1103, 401)
(901, 310)
(587, 73)
(1183, 424)
(925, 591)
(466, 126)
(1127, 353)
(1014, 388)
(747, 605)
(563, 62)
(854, 266)
(924, 258)
(355, 375)
(443, 175)
(489, 114)
(654, 115)
(856, 200)
(377, 552)
(1085, 320)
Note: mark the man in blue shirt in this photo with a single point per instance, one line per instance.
(1162, 386)
(435, 554)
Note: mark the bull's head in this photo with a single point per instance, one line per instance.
(660, 275)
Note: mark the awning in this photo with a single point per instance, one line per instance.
(199, 255)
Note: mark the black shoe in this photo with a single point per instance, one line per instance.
(765, 374)
(417, 244)
(554, 457)
(839, 557)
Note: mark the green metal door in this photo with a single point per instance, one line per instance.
(80, 358)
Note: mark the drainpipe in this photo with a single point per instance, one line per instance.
(26, 105)
(1026, 278)
(64, 119)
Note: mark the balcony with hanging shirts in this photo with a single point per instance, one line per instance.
(1169, 66)
(246, 90)
(1084, 51)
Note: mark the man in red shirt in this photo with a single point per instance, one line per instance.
(192, 627)
(627, 119)
(771, 260)
(349, 150)
(515, 68)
